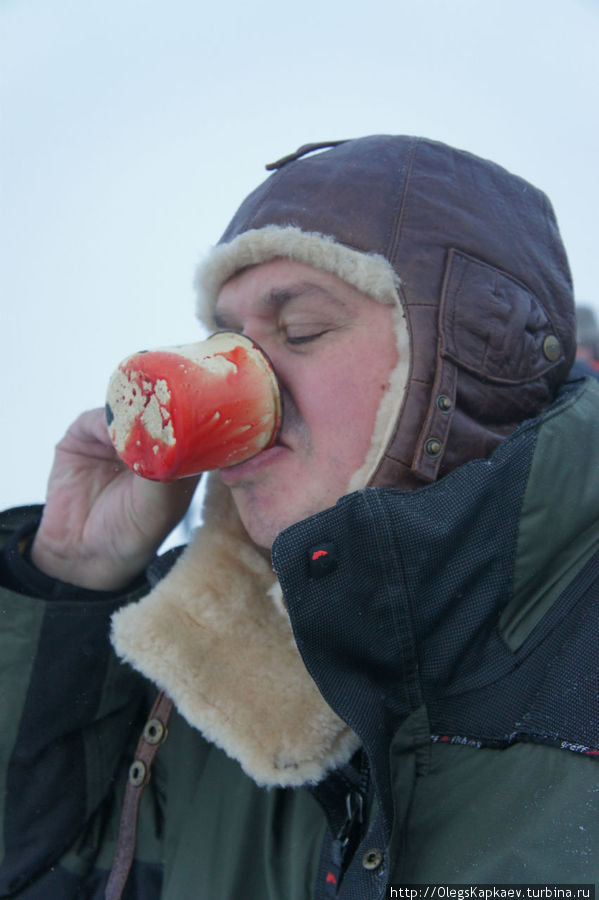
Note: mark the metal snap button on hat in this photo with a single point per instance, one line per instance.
(433, 447)
(323, 559)
(551, 348)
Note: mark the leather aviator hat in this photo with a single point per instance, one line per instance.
(469, 253)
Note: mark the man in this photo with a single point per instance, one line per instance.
(410, 696)
(587, 341)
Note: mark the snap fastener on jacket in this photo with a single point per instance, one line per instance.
(433, 447)
(154, 732)
(323, 559)
(138, 773)
(372, 859)
(551, 348)
(444, 403)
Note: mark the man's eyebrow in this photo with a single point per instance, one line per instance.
(277, 298)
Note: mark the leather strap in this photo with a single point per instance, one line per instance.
(153, 735)
(301, 151)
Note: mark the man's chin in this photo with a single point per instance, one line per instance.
(261, 534)
(263, 514)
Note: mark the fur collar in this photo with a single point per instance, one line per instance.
(215, 635)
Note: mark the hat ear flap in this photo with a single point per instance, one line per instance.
(492, 327)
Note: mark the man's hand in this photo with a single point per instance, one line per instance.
(102, 524)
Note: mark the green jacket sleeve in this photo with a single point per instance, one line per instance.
(69, 714)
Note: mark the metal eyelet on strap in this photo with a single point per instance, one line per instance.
(372, 859)
(155, 732)
(138, 773)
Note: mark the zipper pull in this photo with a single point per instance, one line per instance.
(350, 832)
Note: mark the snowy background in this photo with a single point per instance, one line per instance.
(131, 130)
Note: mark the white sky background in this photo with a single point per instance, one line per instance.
(132, 129)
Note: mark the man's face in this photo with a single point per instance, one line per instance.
(333, 350)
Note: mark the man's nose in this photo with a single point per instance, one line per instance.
(267, 345)
(275, 354)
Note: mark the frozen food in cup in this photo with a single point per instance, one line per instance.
(183, 410)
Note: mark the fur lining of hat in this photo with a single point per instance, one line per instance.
(215, 635)
(370, 273)
(389, 410)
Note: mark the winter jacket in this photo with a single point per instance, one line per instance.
(451, 632)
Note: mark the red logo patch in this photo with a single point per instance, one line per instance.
(318, 553)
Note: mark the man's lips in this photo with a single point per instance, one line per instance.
(232, 475)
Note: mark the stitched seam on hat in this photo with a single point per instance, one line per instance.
(396, 234)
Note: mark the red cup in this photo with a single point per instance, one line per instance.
(183, 410)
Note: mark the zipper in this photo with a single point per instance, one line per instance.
(348, 836)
